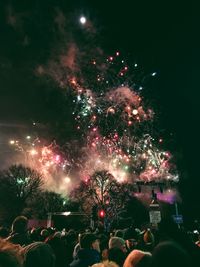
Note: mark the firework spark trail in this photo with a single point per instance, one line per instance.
(141, 160)
(47, 160)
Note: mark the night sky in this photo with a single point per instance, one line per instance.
(160, 35)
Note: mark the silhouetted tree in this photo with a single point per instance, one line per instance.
(19, 185)
(102, 190)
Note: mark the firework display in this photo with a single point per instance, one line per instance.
(115, 127)
(112, 122)
(118, 126)
(46, 159)
(97, 95)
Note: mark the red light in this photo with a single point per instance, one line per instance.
(102, 214)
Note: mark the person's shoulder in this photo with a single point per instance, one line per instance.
(95, 252)
(76, 263)
(21, 239)
(12, 236)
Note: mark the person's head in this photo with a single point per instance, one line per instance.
(117, 242)
(119, 233)
(131, 244)
(116, 255)
(105, 264)
(38, 254)
(19, 224)
(148, 240)
(138, 258)
(34, 235)
(9, 254)
(148, 237)
(104, 248)
(71, 237)
(169, 253)
(89, 241)
(44, 234)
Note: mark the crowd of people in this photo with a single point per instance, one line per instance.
(164, 246)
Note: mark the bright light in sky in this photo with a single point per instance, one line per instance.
(135, 112)
(67, 180)
(82, 20)
(33, 152)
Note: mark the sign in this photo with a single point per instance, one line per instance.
(155, 216)
(178, 218)
(154, 211)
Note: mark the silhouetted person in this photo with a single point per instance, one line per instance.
(38, 254)
(116, 255)
(89, 253)
(10, 255)
(138, 258)
(59, 249)
(169, 253)
(168, 230)
(19, 234)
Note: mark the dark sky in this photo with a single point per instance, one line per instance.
(161, 35)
